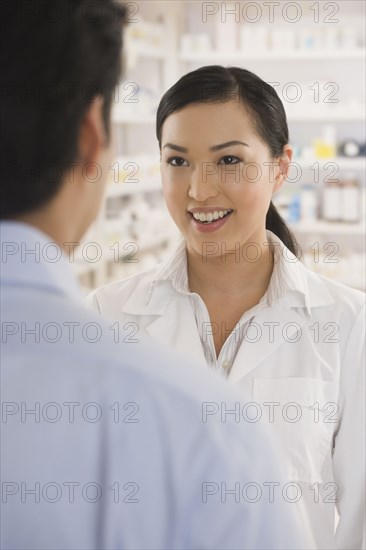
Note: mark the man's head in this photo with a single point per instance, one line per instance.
(61, 63)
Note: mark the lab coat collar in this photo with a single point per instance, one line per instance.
(149, 298)
(154, 294)
(47, 267)
(172, 322)
(305, 288)
(169, 311)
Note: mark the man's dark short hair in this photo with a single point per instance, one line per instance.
(57, 57)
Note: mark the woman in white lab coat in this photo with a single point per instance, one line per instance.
(236, 296)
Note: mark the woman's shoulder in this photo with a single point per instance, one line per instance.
(346, 299)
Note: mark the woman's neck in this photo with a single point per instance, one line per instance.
(245, 271)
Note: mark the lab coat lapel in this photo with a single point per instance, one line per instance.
(258, 346)
(291, 315)
(177, 329)
(167, 317)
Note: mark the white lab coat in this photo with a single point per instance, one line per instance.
(310, 391)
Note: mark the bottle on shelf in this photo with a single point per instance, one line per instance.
(350, 199)
(330, 38)
(349, 37)
(226, 30)
(294, 209)
(332, 201)
(308, 204)
(326, 146)
(350, 149)
(283, 39)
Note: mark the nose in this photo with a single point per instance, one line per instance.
(204, 182)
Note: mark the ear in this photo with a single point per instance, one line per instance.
(92, 135)
(284, 162)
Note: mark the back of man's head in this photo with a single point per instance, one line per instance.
(58, 57)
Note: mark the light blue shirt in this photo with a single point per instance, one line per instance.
(109, 442)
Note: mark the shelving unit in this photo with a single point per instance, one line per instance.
(134, 125)
(345, 66)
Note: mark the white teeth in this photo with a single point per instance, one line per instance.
(210, 216)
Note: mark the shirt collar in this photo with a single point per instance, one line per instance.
(288, 281)
(29, 258)
(175, 269)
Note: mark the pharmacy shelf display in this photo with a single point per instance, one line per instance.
(324, 203)
(133, 231)
(168, 42)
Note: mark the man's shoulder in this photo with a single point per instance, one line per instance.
(81, 345)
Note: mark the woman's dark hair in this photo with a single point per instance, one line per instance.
(59, 57)
(213, 84)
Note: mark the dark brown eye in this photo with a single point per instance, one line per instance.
(176, 161)
(229, 159)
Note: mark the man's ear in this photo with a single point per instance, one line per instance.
(92, 135)
(284, 162)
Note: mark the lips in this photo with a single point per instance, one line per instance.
(208, 217)
(208, 220)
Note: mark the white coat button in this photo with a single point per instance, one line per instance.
(225, 364)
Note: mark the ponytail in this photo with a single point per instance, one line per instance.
(276, 224)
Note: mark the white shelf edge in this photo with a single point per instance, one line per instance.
(271, 55)
(143, 52)
(323, 227)
(357, 163)
(118, 118)
(125, 189)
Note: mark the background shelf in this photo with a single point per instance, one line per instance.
(158, 55)
(216, 57)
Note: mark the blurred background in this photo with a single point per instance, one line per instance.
(313, 53)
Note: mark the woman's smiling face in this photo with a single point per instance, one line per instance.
(218, 175)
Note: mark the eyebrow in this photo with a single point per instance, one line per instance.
(213, 148)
